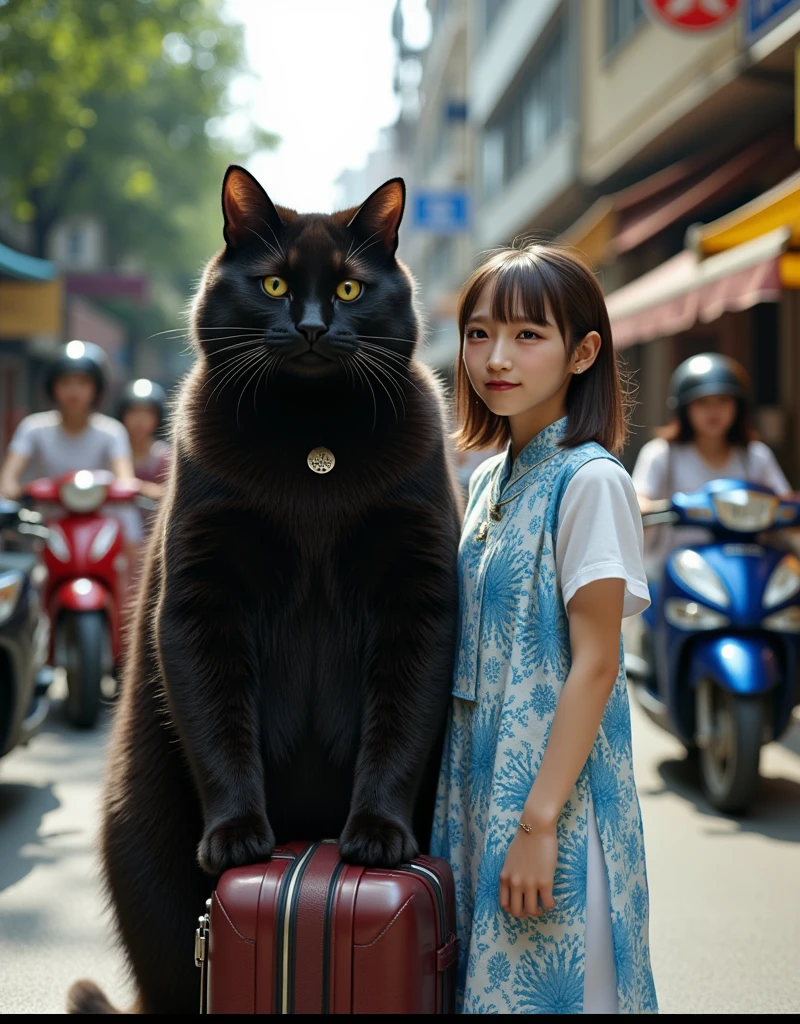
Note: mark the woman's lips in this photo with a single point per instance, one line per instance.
(500, 385)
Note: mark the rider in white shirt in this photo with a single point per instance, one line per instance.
(710, 438)
(73, 436)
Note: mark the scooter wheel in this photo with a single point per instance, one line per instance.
(730, 748)
(86, 640)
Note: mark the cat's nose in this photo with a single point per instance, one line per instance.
(312, 329)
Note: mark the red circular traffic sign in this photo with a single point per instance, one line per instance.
(692, 16)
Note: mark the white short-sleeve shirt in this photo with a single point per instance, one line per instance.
(660, 472)
(600, 534)
(52, 451)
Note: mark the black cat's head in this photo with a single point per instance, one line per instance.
(306, 297)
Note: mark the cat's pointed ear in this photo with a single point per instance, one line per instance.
(380, 215)
(247, 208)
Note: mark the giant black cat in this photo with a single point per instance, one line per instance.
(290, 661)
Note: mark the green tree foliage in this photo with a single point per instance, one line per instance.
(114, 107)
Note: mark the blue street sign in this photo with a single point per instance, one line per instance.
(456, 110)
(761, 16)
(443, 212)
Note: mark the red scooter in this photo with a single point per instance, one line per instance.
(87, 583)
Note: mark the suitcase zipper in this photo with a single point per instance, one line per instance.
(438, 891)
(327, 940)
(201, 940)
(284, 916)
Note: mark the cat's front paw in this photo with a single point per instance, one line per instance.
(376, 842)
(233, 842)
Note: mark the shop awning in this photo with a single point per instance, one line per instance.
(687, 288)
(24, 268)
(779, 207)
(620, 222)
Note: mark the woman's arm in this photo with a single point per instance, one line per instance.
(595, 621)
(11, 474)
(122, 467)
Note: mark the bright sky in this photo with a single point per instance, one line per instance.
(323, 73)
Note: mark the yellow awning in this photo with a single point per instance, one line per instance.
(30, 307)
(777, 208)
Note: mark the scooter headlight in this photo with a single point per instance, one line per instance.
(692, 615)
(786, 621)
(746, 511)
(783, 583)
(10, 589)
(83, 493)
(698, 575)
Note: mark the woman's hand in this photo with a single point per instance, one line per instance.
(526, 880)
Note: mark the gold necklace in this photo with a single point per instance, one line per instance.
(494, 508)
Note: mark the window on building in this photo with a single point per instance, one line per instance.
(529, 119)
(75, 243)
(623, 17)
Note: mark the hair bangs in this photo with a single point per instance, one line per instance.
(522, 293)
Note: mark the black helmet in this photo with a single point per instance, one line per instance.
(143, 392)
(79, 357)
(707, 374)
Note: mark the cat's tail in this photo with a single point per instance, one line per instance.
(86, 997)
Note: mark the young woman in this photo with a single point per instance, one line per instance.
(537, 809)
(141, 409)
(709, 438)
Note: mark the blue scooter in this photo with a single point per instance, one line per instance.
(720, 658)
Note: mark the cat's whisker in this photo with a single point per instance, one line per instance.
(370, 369)
(240, 343)
(363, 376)
(265, 369)
(388, 373)
(269, 245)
(224, 365)
(363, 248)
(395, 368)
(259, 369)
(240, 363)
(277, 240)
(386, 337)
(352, 255)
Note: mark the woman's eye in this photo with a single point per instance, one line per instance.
(528, 335)
(275, 287)
(477, 334)
(348, 290)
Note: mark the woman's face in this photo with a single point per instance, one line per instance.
(712, 417)
(514, 367)
(141, 422)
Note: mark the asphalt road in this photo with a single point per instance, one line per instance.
(725, 920)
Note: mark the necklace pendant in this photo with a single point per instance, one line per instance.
(483, 530)
(321, 460)
(495, 512)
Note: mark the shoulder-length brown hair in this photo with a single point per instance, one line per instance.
(523, 283)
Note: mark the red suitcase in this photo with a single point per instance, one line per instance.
(306, 933)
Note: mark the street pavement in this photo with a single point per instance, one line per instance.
(725, 894)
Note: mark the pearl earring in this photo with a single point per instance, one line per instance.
(579, 369)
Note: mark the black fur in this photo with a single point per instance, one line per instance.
(290, 660)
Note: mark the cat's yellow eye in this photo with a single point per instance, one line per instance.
(348, 290)
(275, 287)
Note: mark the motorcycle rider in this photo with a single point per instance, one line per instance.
(73, 436)
(710, 438)
(142, 409)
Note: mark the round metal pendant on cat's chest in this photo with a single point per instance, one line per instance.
(321, 460)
